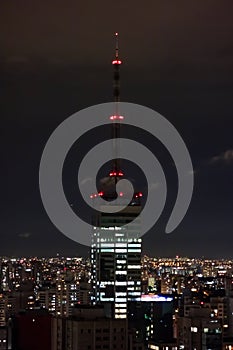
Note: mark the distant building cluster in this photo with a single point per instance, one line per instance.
(172, 304)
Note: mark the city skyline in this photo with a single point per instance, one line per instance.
(183, 304)
(187, 78)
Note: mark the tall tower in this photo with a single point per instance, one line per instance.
(116, 246)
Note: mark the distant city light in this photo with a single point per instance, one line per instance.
(155, 297)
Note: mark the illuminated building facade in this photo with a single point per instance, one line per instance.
(3, 308)
(66, 297)
(116, 259)
(199, 330)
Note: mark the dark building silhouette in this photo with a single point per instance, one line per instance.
(31, 329)
(151, 318)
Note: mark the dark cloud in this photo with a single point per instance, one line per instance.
(225, 157)
(24, 235)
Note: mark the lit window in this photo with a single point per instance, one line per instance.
(194, 329)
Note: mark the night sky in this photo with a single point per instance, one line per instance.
(178, 60)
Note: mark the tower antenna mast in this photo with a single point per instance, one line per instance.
(116, 62)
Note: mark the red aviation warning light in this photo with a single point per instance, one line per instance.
(116, 173)
(116, 62)
(95, 195)
(116, 117)
(138, 194)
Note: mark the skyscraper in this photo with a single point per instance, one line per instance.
(116, 245)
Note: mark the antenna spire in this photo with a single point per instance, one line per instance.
(116, 63)
(117, 49)
(116, 118)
